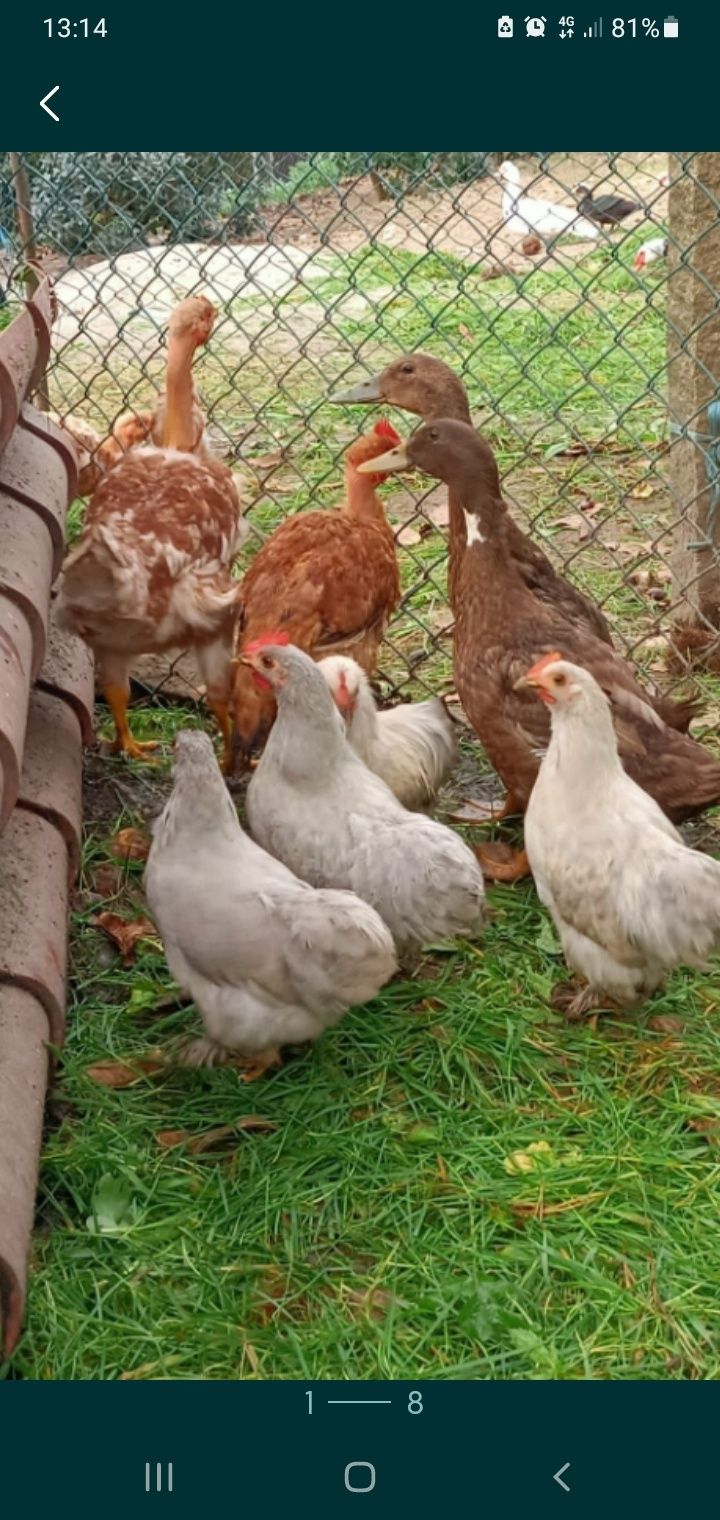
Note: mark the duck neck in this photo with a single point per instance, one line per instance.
(361, 498)
(179, 430)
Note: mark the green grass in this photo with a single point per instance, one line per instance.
(400, 1218)
(397, 1219)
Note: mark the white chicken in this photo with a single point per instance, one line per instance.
(267, 959)
(413, 747)
(314, 805)
(648, 253)
(528, 214)
(629, 899)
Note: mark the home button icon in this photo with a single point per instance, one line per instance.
(360, 1477)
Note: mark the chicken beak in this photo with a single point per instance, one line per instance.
(524, 683)
(386, 464)
(362, 394)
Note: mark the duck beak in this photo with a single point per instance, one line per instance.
(386, 464)
(362, 394)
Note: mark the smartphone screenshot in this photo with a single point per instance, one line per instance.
(359, 763)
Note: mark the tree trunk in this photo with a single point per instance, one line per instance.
(694, 380)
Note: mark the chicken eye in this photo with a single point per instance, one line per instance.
(267, 663)
(408, 369)
(433, 434)
(560, 680)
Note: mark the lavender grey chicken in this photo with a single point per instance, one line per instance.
(267, 959)
(315, 805)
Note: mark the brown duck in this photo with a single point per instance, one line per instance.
(426, 386)
(502, 626)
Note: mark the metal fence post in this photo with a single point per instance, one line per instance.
(694, 380)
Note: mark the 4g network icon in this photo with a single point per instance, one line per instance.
(535, 26)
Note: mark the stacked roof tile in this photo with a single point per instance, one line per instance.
(46, 699)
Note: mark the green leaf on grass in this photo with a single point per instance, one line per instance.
(113, 1207)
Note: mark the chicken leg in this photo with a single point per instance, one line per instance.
(117, 697)
(221, 712)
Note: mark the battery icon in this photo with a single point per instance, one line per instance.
(670, 26)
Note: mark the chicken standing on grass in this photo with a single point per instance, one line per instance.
(268, 960)
(314, 805)
(151, 569)
(629, 900)
(412, 747)
(329, 579)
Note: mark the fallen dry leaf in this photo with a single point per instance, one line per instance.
(168, 1138)
(376, 1303)
(124, 1073)
(252, 1356)
(106, 880)
(130, 844)
(643, 491)
(207, 1140)
(125, 933)
(541, 1210)
(266, 461)
(666, 1023)
(464, 331)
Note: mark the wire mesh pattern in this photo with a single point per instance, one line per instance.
(557, 313)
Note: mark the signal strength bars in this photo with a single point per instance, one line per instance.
(595, 30)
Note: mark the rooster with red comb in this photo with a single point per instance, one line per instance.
(326, 581)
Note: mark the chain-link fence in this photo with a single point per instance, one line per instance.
(575, 295)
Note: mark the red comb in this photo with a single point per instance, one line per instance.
(541, 665)
(385, 429)
(264, 640)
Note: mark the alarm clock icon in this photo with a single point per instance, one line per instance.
(535, 25)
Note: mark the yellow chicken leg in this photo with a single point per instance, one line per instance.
(221, 712)
(117, 698)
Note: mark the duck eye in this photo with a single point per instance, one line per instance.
(408, 369)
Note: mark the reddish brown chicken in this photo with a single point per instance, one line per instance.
(328, 579)
(152, 567)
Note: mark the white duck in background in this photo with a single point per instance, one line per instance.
(413, 747)
(527, 214)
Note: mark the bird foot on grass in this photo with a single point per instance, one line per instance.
(576, 1003)
(135, 749)
(477, 811)
(500, 862)
(206, 1053)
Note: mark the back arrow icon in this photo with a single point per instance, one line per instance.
(557, 1477)
(46, 98)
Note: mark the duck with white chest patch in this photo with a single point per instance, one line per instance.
(502, 628)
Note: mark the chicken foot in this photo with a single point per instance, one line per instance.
(576, 1003)
(209, 1053)
(117, 697)
(488, 812)
(501, 863)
